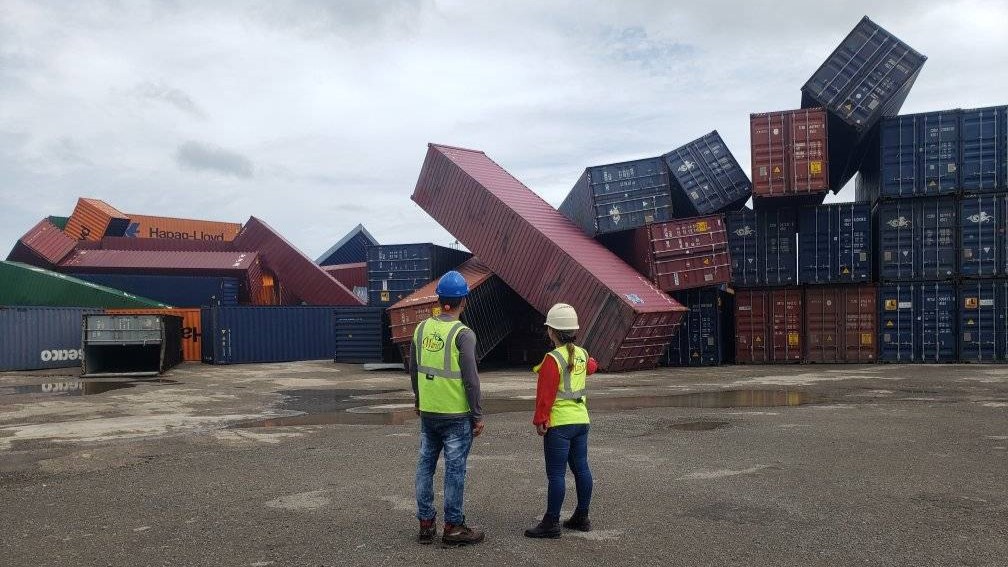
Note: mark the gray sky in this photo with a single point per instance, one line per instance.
(315, 115)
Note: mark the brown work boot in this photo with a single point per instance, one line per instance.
(428, 531)
(455, 536)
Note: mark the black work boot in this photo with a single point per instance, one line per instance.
(456, 536)
(579, 521)
(428, 531)
(547, 528)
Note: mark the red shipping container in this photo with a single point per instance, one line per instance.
(350, 275)
(170, 228)
(841, 323)
(155, 245)
(768, 325)
(297, 275)
(626, 322)
(45, 245)
(92, 218)
(683, 254)
(789, 153)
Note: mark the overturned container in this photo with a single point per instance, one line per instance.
(45, 245)
(789, 153)
(706, 178)
(130, 345)
(619, 196)
(93, 218)
(397, 270)
(918, 322)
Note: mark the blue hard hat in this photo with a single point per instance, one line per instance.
(452, 284)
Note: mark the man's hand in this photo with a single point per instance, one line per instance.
(477, 428)
(542, 428)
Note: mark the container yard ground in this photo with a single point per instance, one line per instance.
(842, 465)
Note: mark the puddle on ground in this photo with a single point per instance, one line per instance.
(75, 387)
(357, 407)
(698, 425)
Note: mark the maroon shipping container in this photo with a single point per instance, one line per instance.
(45, 245)
(350, 275)
(789, 153)
(156, 244)
(768, 325)
(297, 274)
(626, 322)
(683, 254)
(840, 323)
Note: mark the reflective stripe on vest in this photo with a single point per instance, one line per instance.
(439, 375)
(565, 374)
(444, 371)
(571, 406)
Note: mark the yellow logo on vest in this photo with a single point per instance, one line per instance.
(580, 364)
(433, 342)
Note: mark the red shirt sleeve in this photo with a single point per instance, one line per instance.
(592, 366)
(546, 390)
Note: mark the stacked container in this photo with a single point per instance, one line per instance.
(619, 196)
(704, 337)
(397, 270)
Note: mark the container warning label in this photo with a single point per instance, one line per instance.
(815, 168)
(702, 226)
(891, 304)
(384, 296)
(866, 339)
(971, 302)
(792, 339)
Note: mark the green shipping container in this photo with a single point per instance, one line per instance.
(21, 284)
(60, 222)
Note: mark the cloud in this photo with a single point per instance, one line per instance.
(169, 95)
(204, 157)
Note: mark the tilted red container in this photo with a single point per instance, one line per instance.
(155, 244)
(297, 275)
(683, 254)
(626, 322)
(789, 153)
(43, 246)
(841, 323)
(93, 218)
(350, 275)
(768, 325)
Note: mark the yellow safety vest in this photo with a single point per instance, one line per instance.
(439, 376)
(571, 405)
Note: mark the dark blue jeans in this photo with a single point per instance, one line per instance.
(455, 437)
(567, 446)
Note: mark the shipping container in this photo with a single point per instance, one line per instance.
(295, 272)
(179, 291)
(157, 245)
(867, 77)
(917, 322)
(242, 335)
(841, 324)
(351, 249)
(21, 284)
(983, 136)
(706, 332)
(192, 328)
(835, 244)
(168, 228)
(58, 222)
(397, 270)
(919, 154)
(350, 275)
(492, 310)
(626, 322)
(983, 325)
(706, 178)
(361, 334)
(93, 219)
(981, 236)
(44, 246)
(619, 196)
(763, 248)
(682, 254)
(789, 153)
(768, 325)
(130, 345)
(867, 184)
(917, 239)
(35, 338)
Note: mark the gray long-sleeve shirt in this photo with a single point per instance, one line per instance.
(466, 343)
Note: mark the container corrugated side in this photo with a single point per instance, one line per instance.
(179, 291)
(984, 140)
(768, 325)
(918, 322)
(255, 334)
(705, 334)
(92, 219)
(627, 322)
(835, 244)
(620, 196)
(169, 228)
(44, 243)
(21, 284)
(295, 271)
(156, 245)
(763, 248)
(41, 337)
(920, 154)
(683, 254)
(841, 324)
(983, 326)
(192, 328)
(360, 334)
(789, 152)
(981, 236)
(351, 249)
(917, 239)
(706, 178)
(350, 275)
(397, 270)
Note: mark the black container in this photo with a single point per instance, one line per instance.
(762, 247)
(397, 270)
(917, 239)
(705, 336)
(835, 244)
(361, 334)
(918, 322)
(130, 345)
(982, 320)
(619, 196)
(706, 178)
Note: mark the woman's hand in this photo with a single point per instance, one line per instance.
(542, 428)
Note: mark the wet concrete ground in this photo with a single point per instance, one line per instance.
(312, 464)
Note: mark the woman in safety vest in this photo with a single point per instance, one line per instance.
(561, 418)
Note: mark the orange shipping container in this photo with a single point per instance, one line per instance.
(142, 226)
(192, 328)
(93, 218)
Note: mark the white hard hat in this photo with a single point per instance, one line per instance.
(562, 317)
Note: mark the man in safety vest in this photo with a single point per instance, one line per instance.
(446, 391)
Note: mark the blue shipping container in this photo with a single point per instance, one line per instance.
(397, 270)
(917, 239)
(981, 236)
(984, 140)
(619, 196)
(982, 321)
(705, 331)
(917, 322)
(178, 291)
(351, 249)
(762, 247)
(835, 244)
(920, 154)
(249, 334)
(706, 178)
(41, 337)
(360, 334)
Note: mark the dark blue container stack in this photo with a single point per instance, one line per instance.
(917, 239)
(762, 247)
(835, 244)
(705, 335)
(361, 334)
(253, 334)
(706, 178)
(619, 196)
(918, 322)
(397, 270)
(177, 291)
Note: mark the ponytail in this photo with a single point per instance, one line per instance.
(570, 357)
(568, 338)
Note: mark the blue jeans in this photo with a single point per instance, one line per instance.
(563, 446)
(455, 437)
